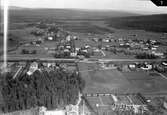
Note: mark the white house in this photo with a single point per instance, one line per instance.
(132, 66)
(33, 68)
(73, 54)
(44, 111)
(87, 46)
(160, 54)
(68, 38)
(50, 38)
(148, 67)
(68, 47)
(164, 63)
(72, 109)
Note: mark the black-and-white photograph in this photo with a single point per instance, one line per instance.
(83, 57)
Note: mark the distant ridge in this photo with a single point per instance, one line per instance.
(16, 8)
(154, 23)
(67, 13)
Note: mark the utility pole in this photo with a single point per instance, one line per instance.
(83, 111)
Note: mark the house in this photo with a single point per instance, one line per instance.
(153, 41)
(50, 38)
(4, 69)
(73, 54)
(68, 47)
(68, 38)
(147, 67)
(86, 51)
(106, 40)
(72, 110)
(132, 66)
(33, 68)
(54, 112)
(165, 105)
(164, 63)
(159, 54)
(75, 37)
(66, 50)
(154, 48)
(87, 46)
(77, 49)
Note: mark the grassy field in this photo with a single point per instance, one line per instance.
(23, 34)
(17, 33)
(103, 81)
(145, 83)
(111, 55)
(41, 51)
(84, 27)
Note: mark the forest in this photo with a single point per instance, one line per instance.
(153, 23)
(52, 89)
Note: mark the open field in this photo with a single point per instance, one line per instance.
(111, 55)
(17, 34)
(84, 27)
(102, 81)
(23, 34)
(145, 83)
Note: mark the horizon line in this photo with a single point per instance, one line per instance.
(137, 12)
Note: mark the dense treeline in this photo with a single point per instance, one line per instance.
(154, 23)
(51, 89)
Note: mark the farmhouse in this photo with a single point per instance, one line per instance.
(146, 67)
(33, 68)
(159, 54)
(132, 66)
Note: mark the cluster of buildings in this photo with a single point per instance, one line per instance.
(66, 49)
(109, 103)
(136, 66)
(34, 66)
(146, 66)
(131, 46)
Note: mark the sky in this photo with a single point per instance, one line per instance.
(140, 6)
